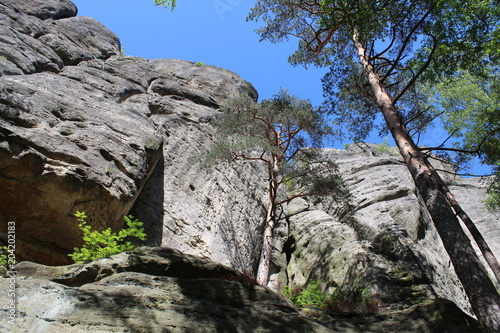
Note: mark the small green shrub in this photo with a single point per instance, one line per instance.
(7, 258)
(110, 171)
(493, 200)
(4, 256)
(311, 296)
(106, 243)
(384, 147)
(199, 64)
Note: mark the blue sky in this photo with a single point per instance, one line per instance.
(215, 32)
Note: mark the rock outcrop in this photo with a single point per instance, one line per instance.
(163, 290)
(84, 128)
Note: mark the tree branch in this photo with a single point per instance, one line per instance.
(458, 150)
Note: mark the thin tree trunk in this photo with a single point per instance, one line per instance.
(267, 244)
(480, 290)
(476, 234)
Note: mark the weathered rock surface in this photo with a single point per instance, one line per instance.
(163, 290)
(148, 290)
(383, 244)
(217, 212)
(87, 137)
(38, 35)
(83, 128)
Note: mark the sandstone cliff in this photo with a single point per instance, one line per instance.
(83, 128)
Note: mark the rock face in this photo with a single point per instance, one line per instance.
(38, 35)
(83, 128)
(83, 132)
(382, 243)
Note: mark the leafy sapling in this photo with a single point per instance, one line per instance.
(106, 243)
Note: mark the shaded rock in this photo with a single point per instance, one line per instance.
(82, 128)
(164, 290)
(87, 139)
(216, 212)
(164, 297)
(154, 261)
(352, 268)
(434, 316)
(68, 146)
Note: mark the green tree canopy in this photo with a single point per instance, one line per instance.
(166, 3)
(469, 108)
(405, 41)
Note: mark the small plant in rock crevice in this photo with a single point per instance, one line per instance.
(385, 242)
(384, 147)
(101, 244)
(310, 296)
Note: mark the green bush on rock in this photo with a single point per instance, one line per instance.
(106, 243)
(362, 303)
(4, 258)
(311, 296)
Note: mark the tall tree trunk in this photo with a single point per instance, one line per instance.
(476, 234)
(267, 244)
(480, 290)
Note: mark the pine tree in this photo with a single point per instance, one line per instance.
(274, 133)
(381, 48)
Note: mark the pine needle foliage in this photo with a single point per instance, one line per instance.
(276, 132)
(493, 200)
(281, 125)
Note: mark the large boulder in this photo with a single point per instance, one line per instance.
(83, 128)
(216, 212)
(37, 36)
(147, 290)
